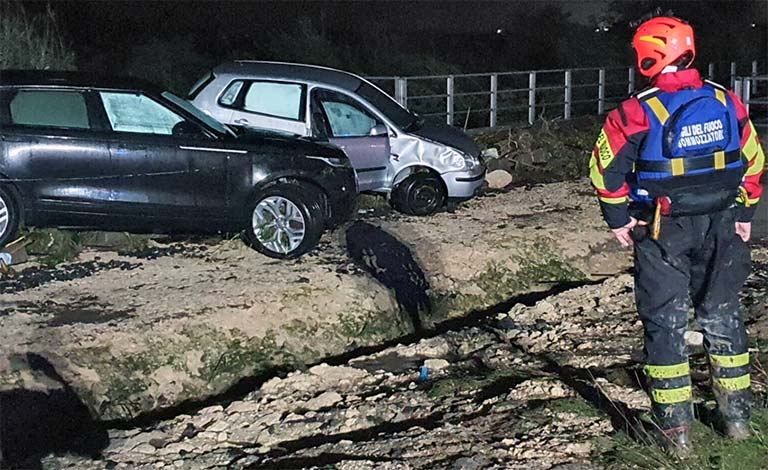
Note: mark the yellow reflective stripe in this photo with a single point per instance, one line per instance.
(719, 160)
(754, 153)
(658, 109)
(739, 360)
(667, 372)
(651, 39)
(751, 145)
(604, 150)
(673, 395)
(594, 174)
(613, 200)
(736, 383)
(678, 166)
(720, 96)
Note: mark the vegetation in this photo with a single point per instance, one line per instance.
(711, 450)
(32, 41)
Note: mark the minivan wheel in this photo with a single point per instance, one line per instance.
(9, 217)
(419, 194)
(285, 221)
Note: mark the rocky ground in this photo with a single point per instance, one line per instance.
(543, 386)
(132, 333)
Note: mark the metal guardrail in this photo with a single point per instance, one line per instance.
(753, 91)
(491, 99)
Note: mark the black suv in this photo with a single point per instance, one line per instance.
(79, 151)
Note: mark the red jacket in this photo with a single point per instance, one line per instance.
(626, 127)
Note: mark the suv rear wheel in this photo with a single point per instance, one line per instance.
(285, 221)
(419, 194)
(9, 217)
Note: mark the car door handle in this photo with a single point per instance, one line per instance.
(241, 121)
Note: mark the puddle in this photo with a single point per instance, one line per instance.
(30, 278)
(390, 362)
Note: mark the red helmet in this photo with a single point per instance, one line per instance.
(660, 42)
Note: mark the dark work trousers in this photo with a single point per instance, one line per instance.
(700, 262)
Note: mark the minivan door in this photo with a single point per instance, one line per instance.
(267, 105)
(348, 124)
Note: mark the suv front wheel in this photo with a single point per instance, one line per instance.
(285, 221)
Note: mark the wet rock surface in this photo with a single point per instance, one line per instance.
(132, 333)
(536, 387)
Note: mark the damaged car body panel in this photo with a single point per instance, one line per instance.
(386, 143)
(78, 151)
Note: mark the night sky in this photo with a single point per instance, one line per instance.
(382, 36)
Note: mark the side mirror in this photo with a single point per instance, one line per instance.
(378, 130)
(187, 129)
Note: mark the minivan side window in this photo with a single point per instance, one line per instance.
(282, 100)
(346, 117)
(49, 108)
(229, 96)
(133, 112)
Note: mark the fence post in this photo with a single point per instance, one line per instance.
(630, 80)
(738, 88)
(601, 92)
(401, 90)
(449, 100)
(733, 73)
(531, 97)
(754, 74)
(567, 95)
(711, 71)
(494, 99)
(746, 93)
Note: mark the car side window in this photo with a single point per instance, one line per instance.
(282, 100)
(345, 116)
(49, 108)
(133, 112)
(229, 97)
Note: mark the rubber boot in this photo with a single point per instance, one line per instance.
(674, 427)
(734, 408)
(676, 442)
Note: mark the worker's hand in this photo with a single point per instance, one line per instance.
(744, 230)
(624, 234)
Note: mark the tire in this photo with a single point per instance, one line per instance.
(419, 194)
(10, 216)
(277, 212)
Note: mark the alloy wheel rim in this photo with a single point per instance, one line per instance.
(278, 224)
(4, 216)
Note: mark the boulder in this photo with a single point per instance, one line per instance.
(498, 179)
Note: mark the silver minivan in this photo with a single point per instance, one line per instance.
(420, 166)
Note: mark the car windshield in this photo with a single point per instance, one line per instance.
(191, 109)
(400, 116)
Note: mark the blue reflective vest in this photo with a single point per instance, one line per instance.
(692, 132)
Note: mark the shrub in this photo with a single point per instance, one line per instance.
(32, 41)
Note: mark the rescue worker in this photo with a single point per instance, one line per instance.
(677, 171)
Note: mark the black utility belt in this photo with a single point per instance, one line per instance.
(692, 203)
(681, 166)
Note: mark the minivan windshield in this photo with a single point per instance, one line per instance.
(191, 109)
(399, 116)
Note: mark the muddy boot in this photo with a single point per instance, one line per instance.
(673, 424)
(676, 442)
(734, 407)
(737, 430)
